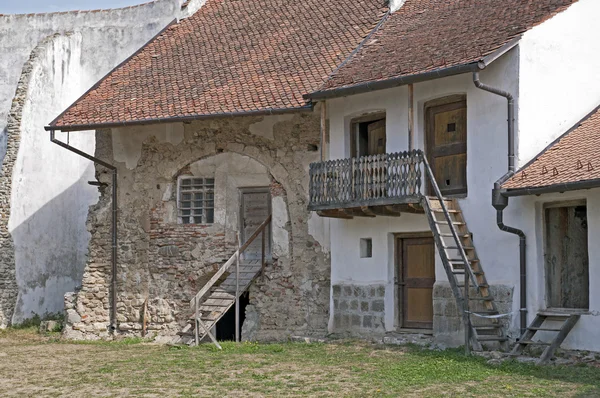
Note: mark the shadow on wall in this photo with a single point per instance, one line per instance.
(51, 252)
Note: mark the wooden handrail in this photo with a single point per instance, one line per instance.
(229, 262)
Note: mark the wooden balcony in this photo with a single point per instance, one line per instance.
(368, 186)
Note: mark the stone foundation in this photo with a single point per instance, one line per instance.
(358, 309)
(166, 263)
(447, 321)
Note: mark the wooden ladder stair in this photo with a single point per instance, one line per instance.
(566, 322)
(481, 301)
(222, 295)
(219, 301)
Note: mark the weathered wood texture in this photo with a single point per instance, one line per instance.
(566, 257)
(384, 179)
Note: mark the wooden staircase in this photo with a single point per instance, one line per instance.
(565, 321)
(222, 294)
(459, 257)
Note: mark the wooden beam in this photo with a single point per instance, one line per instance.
(334, 214)
(411, 118)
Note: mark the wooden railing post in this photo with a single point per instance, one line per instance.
(237, 292)
(467, 317)
(262, 261)
(196, 316)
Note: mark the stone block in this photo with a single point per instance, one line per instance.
(337, 291)
(367, 321)
(343, 305)
(377, 306)
(336, 304)
(347, 291)
(364, 306)
(381, 291)
(355, 320)
(73, 317)
(354, 305)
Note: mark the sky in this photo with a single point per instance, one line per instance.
(31, 6)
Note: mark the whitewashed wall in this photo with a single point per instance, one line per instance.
(50, 195)
(560, 76)
(586, 334)
(487, 161)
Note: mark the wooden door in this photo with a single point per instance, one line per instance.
(416, 257)
(566, 257)
(376, 134)
(446, 127)
(255, 208)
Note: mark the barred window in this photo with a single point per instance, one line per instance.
(196, 200)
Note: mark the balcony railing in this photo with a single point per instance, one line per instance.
(386, 179)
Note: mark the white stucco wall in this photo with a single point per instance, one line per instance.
(560, 76)
(487, 161)
(554, 75)
(585, 335)
(50, 195)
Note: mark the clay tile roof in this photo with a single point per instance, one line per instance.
(232, 56)
(428, 35)
(573, 157)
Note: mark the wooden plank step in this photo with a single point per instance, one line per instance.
(222, 295)
(488, 327)
(488, 298)
(449, 235)
(460, 261)
(456, 248)
(486, 312)
(491, 338)
(439, 210)
(444, 222)
(462, 271)
(211, 308)
(531, 342)
(553, 314)
(544, 329)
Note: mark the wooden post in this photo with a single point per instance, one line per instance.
(237, 293)
(197, 321)
(468, 316)
(263, 255)
(411, 118)
(323, 128)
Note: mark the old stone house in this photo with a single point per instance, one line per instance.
(206, 134)
(211, 127)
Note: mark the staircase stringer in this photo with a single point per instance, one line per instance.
(458, 295)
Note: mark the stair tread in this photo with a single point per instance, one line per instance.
(531, 342)
(550, 314)
(438, 210)
(448, 234)
(542, 329)
(453, 222)
(488, 327)
(491, 338)
(462, 271)
(456, 248)
(459, 260)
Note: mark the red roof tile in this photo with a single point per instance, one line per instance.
(232, 56)
(428, 35)
(571, 158)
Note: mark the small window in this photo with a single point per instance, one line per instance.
(366, 248)
(196, 200)
(368, 136)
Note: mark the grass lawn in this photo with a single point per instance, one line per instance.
(32, 365)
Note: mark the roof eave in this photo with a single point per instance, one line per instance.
(179, 119)
(415, 78)
(554, 188)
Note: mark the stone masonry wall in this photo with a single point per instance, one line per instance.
(447, 322)
(358, 309)
(156, 256)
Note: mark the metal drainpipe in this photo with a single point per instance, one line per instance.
(113, 315)
(500, 202)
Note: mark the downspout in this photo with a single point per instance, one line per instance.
(500, 202)
(113, 304)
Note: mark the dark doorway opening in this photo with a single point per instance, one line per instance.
(566, 256)
(226, 326)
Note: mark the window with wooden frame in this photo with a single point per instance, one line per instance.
(196, 200)
(367, 135)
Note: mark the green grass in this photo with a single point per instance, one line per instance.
(131, 367)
